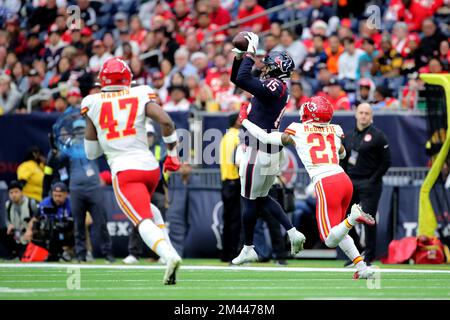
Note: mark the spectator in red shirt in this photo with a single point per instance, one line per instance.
(218, 15)
(434, 66)
(183, 18)
(400, 38)
(444, 55)
(365, 31)
(249, 8)
(137, 32)
(17, 37)
(158, 84)
(297, 97)
(410, 92)
(204, 26)
(213, 73)
(140, 75)
(193, 86)
(224, 92)
(149, 10)
(72, 34)
(413, 12)
(337, 96)
(192, 42)
(87, 40)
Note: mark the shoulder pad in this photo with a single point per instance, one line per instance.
(86, 104)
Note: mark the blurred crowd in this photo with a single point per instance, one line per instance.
(182, 48)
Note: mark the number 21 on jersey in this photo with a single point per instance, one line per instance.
(323, 150)
(108, 122)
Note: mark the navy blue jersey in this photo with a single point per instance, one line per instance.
(270, 96)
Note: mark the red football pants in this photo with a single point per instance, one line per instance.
(133, 190)
(333, 195)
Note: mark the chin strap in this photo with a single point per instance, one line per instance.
(320, 124)
(114, 88)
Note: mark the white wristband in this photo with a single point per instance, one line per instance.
(171, 139)
(173, 152)
(93, 149)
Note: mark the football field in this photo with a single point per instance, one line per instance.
(212, 280)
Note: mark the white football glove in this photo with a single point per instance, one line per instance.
(239, 53)
(253, 42)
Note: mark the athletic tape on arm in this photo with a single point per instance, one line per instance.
(93, 149)
(261, 135)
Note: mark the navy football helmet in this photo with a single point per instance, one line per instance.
(278, 64)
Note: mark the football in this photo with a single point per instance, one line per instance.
(240, 42)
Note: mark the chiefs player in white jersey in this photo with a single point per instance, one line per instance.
(115, 126)
(318, 144)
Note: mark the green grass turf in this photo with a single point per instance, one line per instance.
(51, 283)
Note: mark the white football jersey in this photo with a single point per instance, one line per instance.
(318, 148)
(119, 118)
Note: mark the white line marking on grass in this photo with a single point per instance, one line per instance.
(23, 290)
(215, 268)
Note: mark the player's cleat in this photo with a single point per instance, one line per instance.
(89, 256)
(365, 273)
(110, 258)
(130, 259)
(173, 264)
(297, 241)
(281, 262)
(360, 216)
(248, 254)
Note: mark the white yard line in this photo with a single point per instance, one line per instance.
(26, 290)
(217, 268)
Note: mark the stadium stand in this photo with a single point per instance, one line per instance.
(43, 44)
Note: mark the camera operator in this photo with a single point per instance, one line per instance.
(20, 211)
(67, 160)
(54, 228)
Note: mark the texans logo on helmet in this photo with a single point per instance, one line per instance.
(283, 65)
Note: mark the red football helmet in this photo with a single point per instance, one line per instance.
(317, 110)
(115, 72)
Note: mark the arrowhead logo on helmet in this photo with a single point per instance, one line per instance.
(317, 110)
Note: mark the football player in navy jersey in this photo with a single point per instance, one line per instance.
(260, 163)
